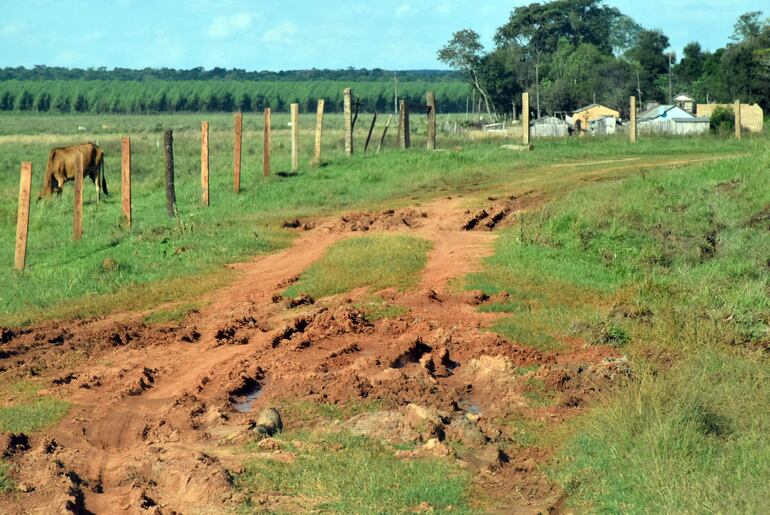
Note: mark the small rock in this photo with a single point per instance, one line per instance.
(109, 265)
(25, 488)
(268, 422)
(268, 444)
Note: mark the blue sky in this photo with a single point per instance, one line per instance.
(293, 34)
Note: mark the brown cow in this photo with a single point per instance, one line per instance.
(63, 165)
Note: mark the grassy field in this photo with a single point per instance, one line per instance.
(672, 269)
(116, 268)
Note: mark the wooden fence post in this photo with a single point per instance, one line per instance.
(294, 137)
(633, 127)
(22, 219)
(205, 163)
(525, 118)
(168, 143)
(77, 214)
(125, 179)
(371, 129)
(384, 133)
(266, 145)
(431, 101)
(738, 127)
(403, 125)
(237, 152)
(348, 115)
(319, 127)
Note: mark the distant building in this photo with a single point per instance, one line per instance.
(549, 127)
(685, 102)
(604, 126)
(752, 116)
(585, 115)
(671, 120)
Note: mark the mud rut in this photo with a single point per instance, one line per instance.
(153, 428)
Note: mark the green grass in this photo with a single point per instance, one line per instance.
(69, 279)
(32, 416)
(342, 473)
(6, 485)
(670, 267)
(173, 314)
(377, 308)
(377, 262)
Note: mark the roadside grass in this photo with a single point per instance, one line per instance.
(343, 473)
(669, 266)
(377, 308)
(173, 314)
(64, 278)
(22, 410)
(377, 262)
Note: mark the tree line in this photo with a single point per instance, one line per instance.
(217, 95)
(570, 53)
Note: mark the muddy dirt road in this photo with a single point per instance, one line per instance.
(157, 410)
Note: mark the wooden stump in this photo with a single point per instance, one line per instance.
(205, 163)
(348, 116)
(525, 119)
(633, 127)
(431, 102)
(319, 127)
(22, 219)
(266, 145)
(294, 137)
(237, 153)
(77, 216)
(168, 143)
(125, 179)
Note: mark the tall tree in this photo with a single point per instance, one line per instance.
(464, 53)
(649, 54)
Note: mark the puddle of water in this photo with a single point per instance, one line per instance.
(245, 400)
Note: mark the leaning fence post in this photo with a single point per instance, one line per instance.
(22, 219)
(168, 142)
(319, 126)
(403, 125)
(633, 128)
(525, 118)
(125, 179)
(431, 101)
(348, 115)
(205, 163)
(77, 214)
(384, 133)
(237, 152)
(371, 129)
(294, 137)
(738, 127)
(266, 145)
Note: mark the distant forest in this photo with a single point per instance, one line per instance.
(47, 89)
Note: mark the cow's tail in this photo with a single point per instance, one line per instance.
(47, 178)
(102, 178)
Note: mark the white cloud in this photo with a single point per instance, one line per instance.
(11, 29)
(224, 26)
(403, 9)
(281, 33)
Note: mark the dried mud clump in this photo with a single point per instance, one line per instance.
(384, 221)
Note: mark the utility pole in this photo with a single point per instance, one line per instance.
(670, 82)
(537, 88)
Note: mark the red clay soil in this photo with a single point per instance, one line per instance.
(153, 422)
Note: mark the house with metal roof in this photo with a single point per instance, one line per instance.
(582, 118)
(671, 120)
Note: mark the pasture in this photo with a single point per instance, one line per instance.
(580, 327)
